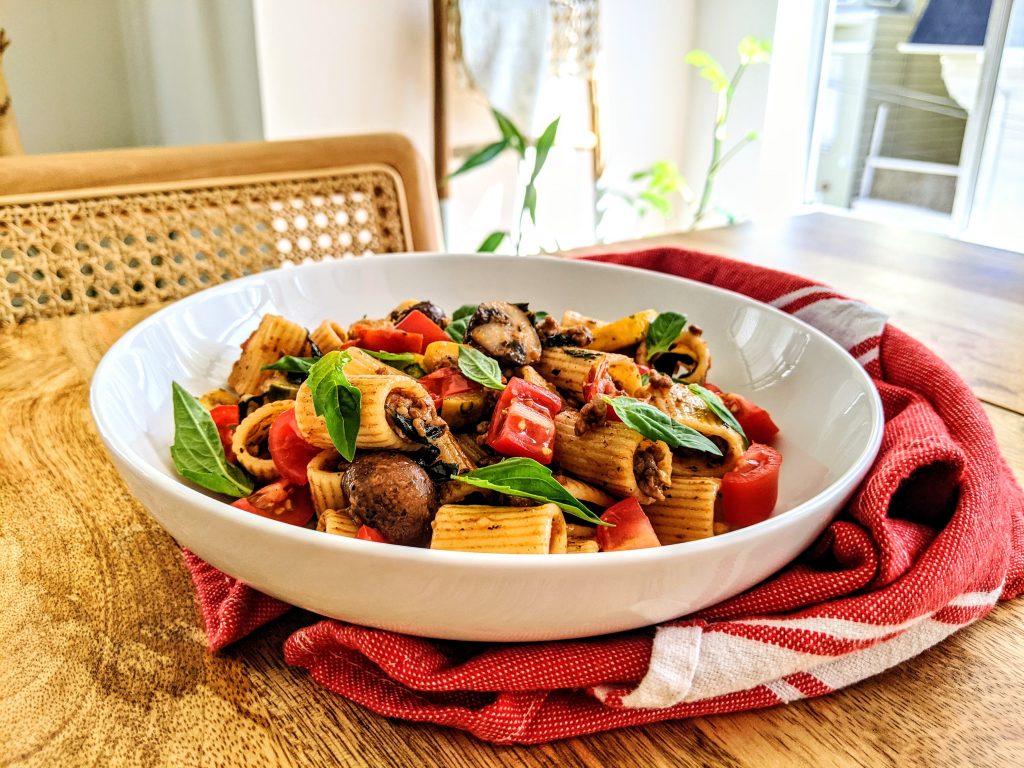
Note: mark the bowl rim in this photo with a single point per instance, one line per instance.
(188, 494)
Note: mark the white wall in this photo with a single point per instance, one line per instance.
(92, 74)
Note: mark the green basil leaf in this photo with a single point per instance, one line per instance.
(663, 333)
(491, 242)
(482, 369)
(336, 400)
(197, 451)
(719, 409)
(645, 379)
(527, 479)
(655, 425)
(457, 327)
(290, 364)
(482, 157)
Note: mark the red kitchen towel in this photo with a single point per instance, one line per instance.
(931, 540)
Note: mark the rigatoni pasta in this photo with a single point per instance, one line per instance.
(481, 431)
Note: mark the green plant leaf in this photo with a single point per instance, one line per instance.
(655, 425)
(527, 479)
(663, 333)
(197, 452)
(491, 242)
(720, 410)
(482, 369)
(291, 364)
(544, 144)
(658, 202)
(336, 400)
(403, 361)
(460, 319)
(530, 201)
(482, 157)
(509, 131)
(754, 50)
(708, 68)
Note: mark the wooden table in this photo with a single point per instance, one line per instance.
(103, 655)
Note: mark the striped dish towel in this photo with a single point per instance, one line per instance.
(931, 540)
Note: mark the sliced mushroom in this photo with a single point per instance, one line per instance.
(428, 308)
(505, 332)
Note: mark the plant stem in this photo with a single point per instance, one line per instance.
(717, 160)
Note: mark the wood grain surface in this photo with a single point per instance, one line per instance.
(104, 661)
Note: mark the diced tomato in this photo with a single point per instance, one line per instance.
(366, 533)
(226, 418)
(712, 387)
(417, 322)
(279, 501)
(445, 382)
(290, 453)
(542, 399)
(750, 490)
(643, 368)
(391, 340)
(633, 529)
(524, 431)
(756, 422)
(600, 384)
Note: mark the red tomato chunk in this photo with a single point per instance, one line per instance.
(226, 418)
(632, 529)
(750, 490)
(279, 501)
(289, 452)
(417, 322)
(391, 340)
(756, 422)
(366, 533)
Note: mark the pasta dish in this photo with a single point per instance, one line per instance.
(493, 429)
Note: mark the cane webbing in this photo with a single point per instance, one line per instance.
(103, 249)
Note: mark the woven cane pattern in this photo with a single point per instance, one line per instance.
(62, 257)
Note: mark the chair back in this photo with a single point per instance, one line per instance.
(83, 232)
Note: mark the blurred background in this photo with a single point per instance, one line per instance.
(671, 114)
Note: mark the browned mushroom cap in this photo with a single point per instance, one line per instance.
(392, 493)
(428, 308)
(505, 332)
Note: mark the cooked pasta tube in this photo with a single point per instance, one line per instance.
(387, 401)
(697, 464)
(690, 356)
(531, 375)
(471, 448)
(614, 457)
(580, 539)
(452, 452)
(329, 336)
(571, 319)
(567, 367)
(624, 332)
(326, 472)
(339, 523)
(584, 491)
(538, 530)
(250, 440)
(688, 408)
(687, 512)
(273, 339)
(216, 397)
(363, 364)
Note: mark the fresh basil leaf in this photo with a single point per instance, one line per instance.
(197, 451)
(290, 364)
(482, 369)
(655, 425)
(719, 409)
(527, 479)
(645, 379)
(404, 361)
(336, 400)
(482, 157)
(538, 317)
(460, 320)
(663, 333)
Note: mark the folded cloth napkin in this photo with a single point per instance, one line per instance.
(929, 543)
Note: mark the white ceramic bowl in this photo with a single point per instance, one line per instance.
(825, 404)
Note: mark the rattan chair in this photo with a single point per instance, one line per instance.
(83, 232)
